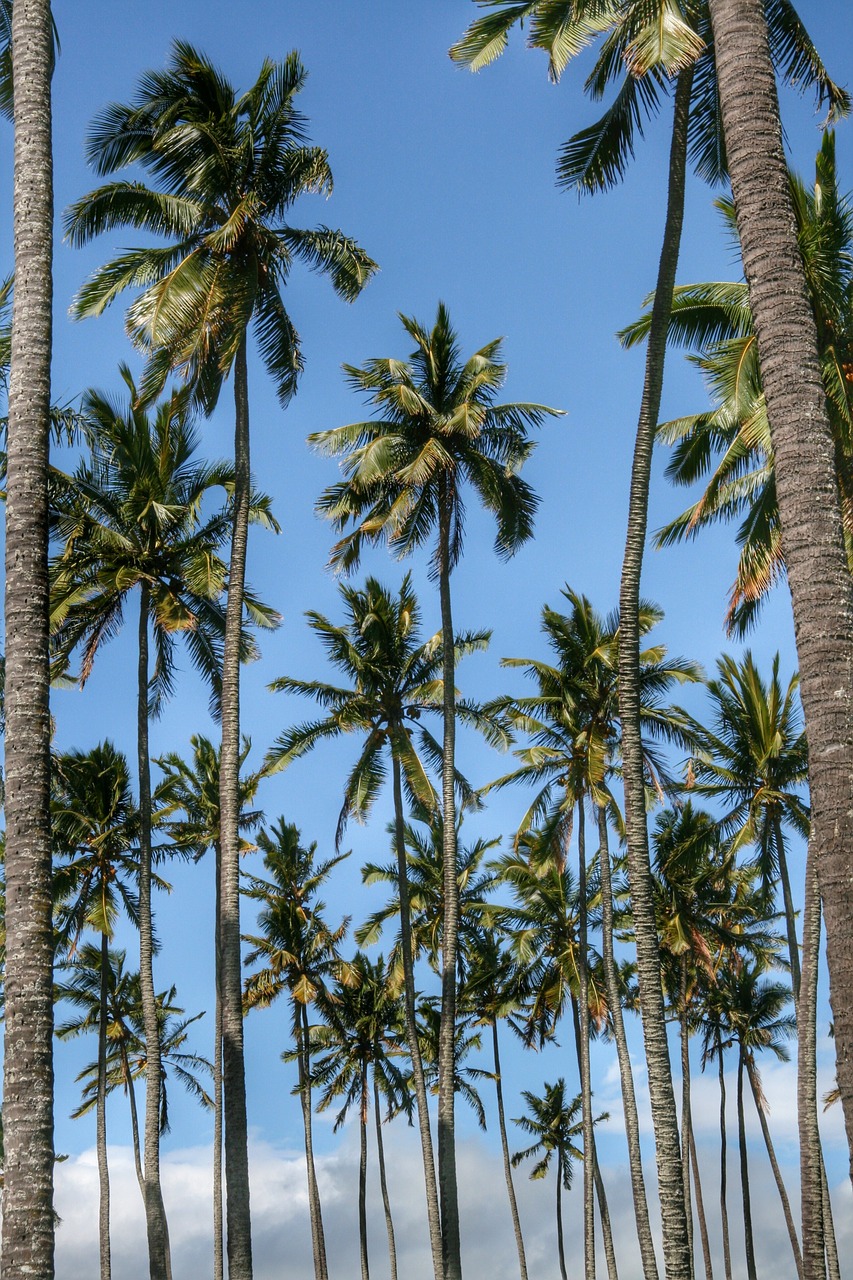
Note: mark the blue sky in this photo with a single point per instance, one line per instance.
(447, 180)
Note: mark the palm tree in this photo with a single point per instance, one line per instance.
(804, 454)
(28, 1224)
(358, 1042)
(95, 829)
(554, 1123)
(392, 678)
(130, 521)
(193, 789)
(229, 168)
(299, 955)
(439, 425)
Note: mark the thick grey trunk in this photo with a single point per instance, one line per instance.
(237, 1212)
(626, 1074)
(28, 1227)
(433, 1212)
(383, 1183)
(101, 1136)
(155, 1218)
(806, 483)
(774, 1164)
(676, 1244)
(448, 1192)
(510, 1188)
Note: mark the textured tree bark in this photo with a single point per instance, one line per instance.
(806, 484)
(433, 1212)
(583, 1053)
(626, 1074)
(749, 1244)
(724, 1208)
(155, 1218)
(510, 1188)
(448, 1193)
(676, 1246)
(237, 1205)
(774, 1164)
(383, 1183)
(814, 1252)
(318, 1237)
(101, 1135)
(362, 1179)
(28, 1230)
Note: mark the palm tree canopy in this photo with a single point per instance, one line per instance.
(192, 788)
(556, 1125)
(439, 426)
(229, 167)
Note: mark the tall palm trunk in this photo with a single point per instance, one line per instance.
(448, 1192)
(237, 1206)
(383, 1183)
(676, 1246)
(598, 1181)
(788, 901)
(774, 1164)
(724, 1209)
(583, 1054)
(560, 1250)
(812, 534)
(218, 1241)
(700, 1202)
(626, 1074)
(101, 1135)
(318, 1237)
(510, 1188)
(28, 1230)
(155, 1217)
(362, 1178)
(433, 1213)
(134, 1123)
(744, 1174)
(685, 1095)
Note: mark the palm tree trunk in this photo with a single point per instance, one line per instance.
(598, 1181)
(101, 1138)
(626, 1074)
(237, 1205)
(318, 1237)
(448, 1192)
(812, 534)
(676, 1245)
(724, 1210)
(28, 1227)
(433, 1212)
(685, 1095)
(744, 1174)
(774, 1164)
(383, 1183)
(560, 1250)
(134, 1126)
(833, 1265)
(218, 1241)
(788, 900)
(510, 1188)
(583, 1054)
(362, 1178)
(700, 1203)
(155, 1217)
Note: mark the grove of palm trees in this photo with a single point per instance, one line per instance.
(426, 833)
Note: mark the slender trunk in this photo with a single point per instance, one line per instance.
(28, 1229)
(383, 1183)
(510, 1189)
(626, 1074)
(583, 1054)
(700, 1205)
(774, 1164)
(155, 1217)
(806, 481)
(103, 1165)
(744, 1174)
(134, 1128)
(598, 1181)
(560, 1250)
(433, 1213)
(318, 1237)
(237, 1206)
(685, 1096)
(833, 1264)
(788, 900)
(814, 1251)
(724, 1209)
(218, 1235)
(676, 1246)
(362, 1178)
(449, 934)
